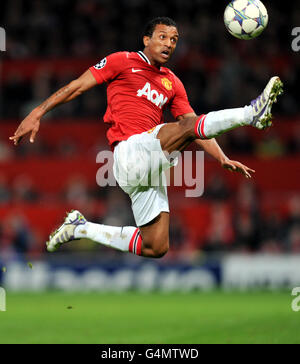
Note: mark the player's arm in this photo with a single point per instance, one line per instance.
(212, 147)
(67, 93)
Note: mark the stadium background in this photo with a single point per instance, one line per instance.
(236, 226)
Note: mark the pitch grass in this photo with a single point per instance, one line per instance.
(138, 318)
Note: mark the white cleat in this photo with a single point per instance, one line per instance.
(65, 232)
(262, 117)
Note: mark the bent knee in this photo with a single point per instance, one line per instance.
(161, 251)
(155, 249)
(186, 126)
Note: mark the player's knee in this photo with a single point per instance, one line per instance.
(160, 251)
(160, 245)
(186, 125)
(156, 248)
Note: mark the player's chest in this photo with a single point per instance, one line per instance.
(153, 86)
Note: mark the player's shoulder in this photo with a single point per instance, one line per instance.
(119, 55)
(171, 74)
(124, 56)
(168, 72)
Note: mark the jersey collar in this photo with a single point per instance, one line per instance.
(144, 57)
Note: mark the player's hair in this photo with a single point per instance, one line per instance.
(150, 27)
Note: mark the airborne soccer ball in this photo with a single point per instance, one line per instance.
(245, 19)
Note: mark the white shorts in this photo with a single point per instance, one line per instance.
(139, 165)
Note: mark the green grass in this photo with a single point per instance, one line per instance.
(138, 318)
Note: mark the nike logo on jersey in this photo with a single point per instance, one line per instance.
(134, 70)
(152, 95)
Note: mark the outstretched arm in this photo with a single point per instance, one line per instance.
(212, 147)
(67, 93)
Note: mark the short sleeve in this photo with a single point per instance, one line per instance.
(109, 67)
(180, 104)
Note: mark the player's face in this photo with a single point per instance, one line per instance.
(161, 45)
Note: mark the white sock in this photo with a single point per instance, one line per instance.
(218, 122)
(127, 238)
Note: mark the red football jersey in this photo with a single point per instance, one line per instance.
(137, 94)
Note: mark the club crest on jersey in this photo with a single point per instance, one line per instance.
(167, 83)
(152, 95)
(100, 64)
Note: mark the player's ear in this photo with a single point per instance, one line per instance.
(146, 40)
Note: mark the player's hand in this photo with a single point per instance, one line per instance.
(235, 166)
(30, 124)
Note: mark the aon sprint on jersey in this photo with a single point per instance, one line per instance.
(152, 95)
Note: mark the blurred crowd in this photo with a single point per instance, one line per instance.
(270, 144)
(248, 226)
(237, 220)
(217, 70)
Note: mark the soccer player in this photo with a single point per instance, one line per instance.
(139, 87)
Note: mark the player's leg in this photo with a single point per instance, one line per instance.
(155, 236)
(150, 240)
(75, 226)
(176, 136)
(149, 203)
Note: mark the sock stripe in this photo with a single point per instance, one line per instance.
(135, 245)
(199, 127)
(202, 127)
(135, 242)
(196, 127)
(131, 244)
(139, 245)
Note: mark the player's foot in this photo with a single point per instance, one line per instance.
(262, 117)
(65, 232)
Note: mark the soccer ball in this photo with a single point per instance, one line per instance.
(245, 19)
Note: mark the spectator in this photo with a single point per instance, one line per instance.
(240, 142)
(77, 192)
(15, 236)
(293, 217)
(5, 194)
(118, 211)
(246, 218)
(270, 146)
(292, 225)
(219, 235)
(293, 239)
(177, 235)
(293, 145)
(23, 189)
(6, 153)
(272, 232)
(217, 189)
